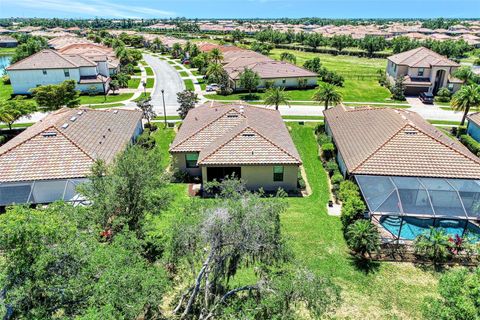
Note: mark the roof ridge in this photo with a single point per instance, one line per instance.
(204, 127)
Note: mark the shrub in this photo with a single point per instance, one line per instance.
(443, 95)
(3, 139)
(471, 144)
(337, 178)
(331, 166)
(301, 183)
(363, 237)
(353, 209)
(151, 126)
(328, 150)
(145, 140)
(434, 246)
(320, 128)
(6, 79)
(476, 62)
(323, 138)
(347, 190)
(180, 176)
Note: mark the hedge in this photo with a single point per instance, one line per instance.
(471, 144)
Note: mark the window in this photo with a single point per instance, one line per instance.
(44, 72)
(394, 68)
(284, 81)
(278, 173)
(66, 73)
(420, 72)
(191, 160)
(450, 86)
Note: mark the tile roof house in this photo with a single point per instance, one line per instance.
(280, 73)
(216, 140)
(8, 42)
(52, 67)
(411, 175)
(423, 70)
(45, 162)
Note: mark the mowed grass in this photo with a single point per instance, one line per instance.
(189, 84)
(133, 83)
(99, 99)
(150, 83)
(149, 71)
(183, 73)
(5, 91)
(391, 291)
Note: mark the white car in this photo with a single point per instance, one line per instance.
(212, 87)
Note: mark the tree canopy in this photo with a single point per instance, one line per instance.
(54, 96)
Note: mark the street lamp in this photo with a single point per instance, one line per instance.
(144, 84)
(164, 110)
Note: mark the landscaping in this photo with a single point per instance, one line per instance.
(189, 84)
(133, 83)
(102, 106)
(178, 68)
(183, 73)
(149, 71)
(5, 91)
(150, 83)
(100, 99)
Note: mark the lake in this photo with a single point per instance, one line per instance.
(4, 62)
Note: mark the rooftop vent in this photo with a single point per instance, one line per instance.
(65, 126)
(115, 111)
(232, 115)
(49, 134)
(73, 119)
(248, 135)
(410, 132)
(80, 112)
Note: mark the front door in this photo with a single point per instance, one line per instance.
(440, 77)
(220, 173)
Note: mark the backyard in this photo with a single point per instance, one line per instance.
(360, 75)
(385, 291)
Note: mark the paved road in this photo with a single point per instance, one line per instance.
(168, 79)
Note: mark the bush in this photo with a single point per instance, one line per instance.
(353, 209)
(6, 79)
(320, 128)
(301, 183)
(180, 176)
(331, 166)
(476, 62)
(3, 139)
(337, 178)
(145, 140)
(471, 144)
(434, 246)
(328, 150)
(323, 138)
(348, 189)
(443, 95)
(151, 126)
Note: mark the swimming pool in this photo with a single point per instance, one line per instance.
(413, 227)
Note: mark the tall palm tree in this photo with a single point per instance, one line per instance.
(328, 94)
(276, 96)
(214, 71)
(466, 98)
(216, 55)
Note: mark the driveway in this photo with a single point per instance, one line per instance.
(168, 79)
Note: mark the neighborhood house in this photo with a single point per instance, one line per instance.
(411, 175)
(249, 142)
(48, 160)
(423, 71)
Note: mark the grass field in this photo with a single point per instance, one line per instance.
(189, 84)
(149, 71)
(99, 99)
(183, 73)
(150, 83)
(143, 96)
(102, 106)
(178, 67)
(17, 125)
(5, 91)
(133, 83)
(385, 291)
(7, 51)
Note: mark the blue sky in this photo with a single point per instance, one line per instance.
(241, 8)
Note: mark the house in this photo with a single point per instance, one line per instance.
(96, 53)
(8, 42)
(411, 175)
(217, 140)
(48, 160)
(473, 126)
(51, 67)
(278, 73)
(423, 71)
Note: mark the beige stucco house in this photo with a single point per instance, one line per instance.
(423, 71)
(217, 140)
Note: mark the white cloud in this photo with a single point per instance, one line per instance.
(102, 8)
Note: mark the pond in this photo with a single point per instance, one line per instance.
(4, 62)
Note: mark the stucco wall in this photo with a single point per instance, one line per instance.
(179, 162)
(24, 80)
(88, 71)
(289, 82)
(257, 177)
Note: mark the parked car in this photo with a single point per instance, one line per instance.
(426, 98)
(212, 87)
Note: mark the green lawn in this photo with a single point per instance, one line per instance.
(171, 62)
(196, 73)
(102, 106)
(149, 71)
(445, 122)
(189, 84)
(150, 83)
(202, 83)
(137, 71)
(144, 63)
(7, 51)
(5, 91)
(18, 125)
(393, 291)
(302, 118)
(133, 83)
(99, 99)
(183, 73)
(178, 68)
(143, 96)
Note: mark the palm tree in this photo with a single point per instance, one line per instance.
(363, 237)
(216, 55)
(276, 96)
(328, 93)
(214, 71)
(466, 98)
(465, 74)
(434, 245)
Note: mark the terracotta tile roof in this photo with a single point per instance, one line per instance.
(45, 59)
(236, 134)
(61, 42)
(421, 58)
(387, 141)
(66, 143)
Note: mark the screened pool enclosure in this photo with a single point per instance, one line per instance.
(39, 192)
(408, 206)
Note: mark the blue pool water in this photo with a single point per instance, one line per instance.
(413, 227)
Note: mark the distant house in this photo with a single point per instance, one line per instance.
(51, 67)
(423, 71)
(250, 142)
(411, 175)
(47, 161)
(96, 53)
(473, 126)
(8, 42)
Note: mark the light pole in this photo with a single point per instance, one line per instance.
(164, 110)
(144, 84)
